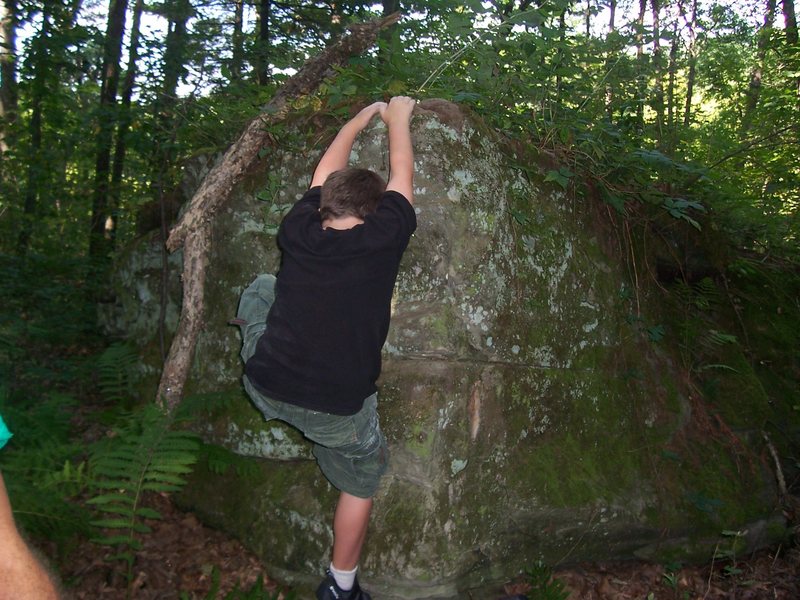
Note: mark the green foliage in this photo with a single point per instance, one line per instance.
(145, 455)
(543, 585)
(42, 468)
(255, 592)
(117, 372)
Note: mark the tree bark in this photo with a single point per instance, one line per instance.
(754, 88)
(612, 27)
(658, 69)
(790, 24)
(790, 21)
(262, 43)
(34, 158)
(672, 72)
(193, 230)
(690, 76)
(587, 17)
(612, 14)
(102, 220)
(237, 41)
(390, 37)
(124, 122)
(641, 76)
(8, 72)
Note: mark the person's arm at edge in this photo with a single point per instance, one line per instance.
(337, 155)
(397, 117)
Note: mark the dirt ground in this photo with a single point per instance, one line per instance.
(182, 558)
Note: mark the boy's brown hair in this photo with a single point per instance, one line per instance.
(350, 192)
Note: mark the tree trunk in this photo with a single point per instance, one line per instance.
(175, 50)
(690, 76)
(102, 221)
(35, 161)
(8, 72)
(166, 130)
(641, 76)
(672, 71)
(658, 69)
(612, 15)
(562, 27)
(124, 121)
(237, 41)
(754, 88)
(174, 59)
(790, 24)
(262, 52)
(193, 230)
(390, 37)
(587, 17)
(790, 21)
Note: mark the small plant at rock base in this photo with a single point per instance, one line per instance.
(543, 585)
(258, 591)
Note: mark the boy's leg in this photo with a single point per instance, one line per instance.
(254, 306)
(350, 524)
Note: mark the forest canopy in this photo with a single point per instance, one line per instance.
(688, 105)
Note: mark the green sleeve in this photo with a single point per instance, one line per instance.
(5, 434)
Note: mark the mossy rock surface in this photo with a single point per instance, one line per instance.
(529, 415)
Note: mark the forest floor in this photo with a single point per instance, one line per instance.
(182, 558)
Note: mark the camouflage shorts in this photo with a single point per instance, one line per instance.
(351, 450)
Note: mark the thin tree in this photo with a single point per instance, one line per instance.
(790, 25)
(641, 76)
(753, 92)
(124, 119)
(390, 37)
(237, 41)
(658, 69)
(587, 17)
(262, 49)
(174, 62)
(790, 21)
(691, 24)
(41, 68)
(163, 157)
(8, 72)
(102, 220)
(672, 72)
(612, 28)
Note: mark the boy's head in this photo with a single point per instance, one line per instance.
(350, 192)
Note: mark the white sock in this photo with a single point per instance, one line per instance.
(344, 579)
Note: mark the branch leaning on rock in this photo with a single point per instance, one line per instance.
(192, 232)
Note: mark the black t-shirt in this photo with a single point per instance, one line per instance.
(322, 346)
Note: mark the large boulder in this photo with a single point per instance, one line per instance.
(530, 410)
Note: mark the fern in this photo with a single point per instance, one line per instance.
(42, 468)
(258, 591)
(145, 455)
(116, 372)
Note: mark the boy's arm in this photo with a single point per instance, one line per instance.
(337, 155)
(397, 117)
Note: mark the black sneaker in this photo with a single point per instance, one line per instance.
(328, 590)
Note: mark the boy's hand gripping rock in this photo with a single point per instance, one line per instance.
(398, 110)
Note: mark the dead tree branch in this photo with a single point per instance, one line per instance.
(193, 231)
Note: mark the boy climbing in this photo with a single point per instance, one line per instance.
(312, 337)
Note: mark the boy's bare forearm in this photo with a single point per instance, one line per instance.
(401, 153)
(337, 155)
